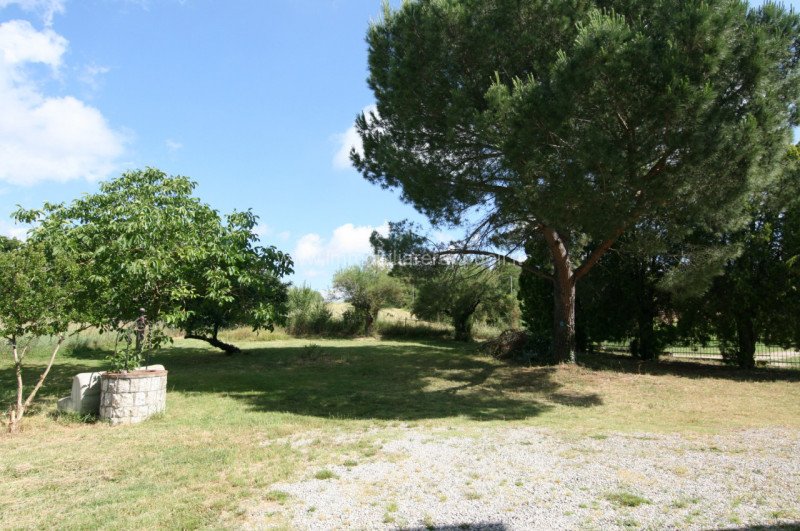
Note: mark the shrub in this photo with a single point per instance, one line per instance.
(415, 330)
(308, 314)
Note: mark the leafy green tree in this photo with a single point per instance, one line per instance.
(238, 284)
(461, 290)
(557, 126)
(144, 241)
(369, 288)
(35, 301)
(8, 244)
(757, 298)
(464, 292)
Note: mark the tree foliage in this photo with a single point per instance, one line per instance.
(238, 284)
(369, 288)
(557, 126)
(144, 241)
(461, 290)
(35, 301)
(757, 297)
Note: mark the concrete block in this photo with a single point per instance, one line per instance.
(65, 404)
(151, 368)
(84, 396)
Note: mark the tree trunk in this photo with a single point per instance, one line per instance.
(564, 298)
(564, 323)
(746, 338)
(15, 411)
(463, 328)
(369, 321)
(462, 322)
(213, 341)
(646, 347)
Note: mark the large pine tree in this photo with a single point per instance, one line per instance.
(555, 126)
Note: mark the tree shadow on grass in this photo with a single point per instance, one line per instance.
(602, 361)
(384, 381)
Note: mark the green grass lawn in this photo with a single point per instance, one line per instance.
(226, 436)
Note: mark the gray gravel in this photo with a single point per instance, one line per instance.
(524, 478)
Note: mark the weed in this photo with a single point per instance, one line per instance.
(626, 499)
(325, 474)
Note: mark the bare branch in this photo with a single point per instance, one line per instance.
(505, 258)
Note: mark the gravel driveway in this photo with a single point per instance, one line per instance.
(534, 478)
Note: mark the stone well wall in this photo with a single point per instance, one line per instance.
(128, 398)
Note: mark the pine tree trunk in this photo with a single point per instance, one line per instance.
(564, 322)
(647, 347)
(564, 298)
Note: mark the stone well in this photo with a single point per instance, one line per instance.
(131, 397)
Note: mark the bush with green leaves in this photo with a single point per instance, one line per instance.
(757, 296)
(447, 287)
(308, 314)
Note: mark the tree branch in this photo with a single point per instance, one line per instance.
(601, 249)
(225, 347)
(505, 258)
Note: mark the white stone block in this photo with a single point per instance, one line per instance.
(65, 404)
(84, 396)
(151, 368)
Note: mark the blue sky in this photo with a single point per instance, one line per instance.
(254, 100)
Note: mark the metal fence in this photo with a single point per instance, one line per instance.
(766, 355)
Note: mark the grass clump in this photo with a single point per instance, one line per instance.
(325, 474)
(278, 496)
(627, 499)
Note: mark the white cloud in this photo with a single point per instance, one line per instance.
(46, 138)
(13, 230)
(347, 244)
(261, 230)
(350, 140)
(22, 43)
(91, 75)
(309, 248)
(47, 9)
(173, 145)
